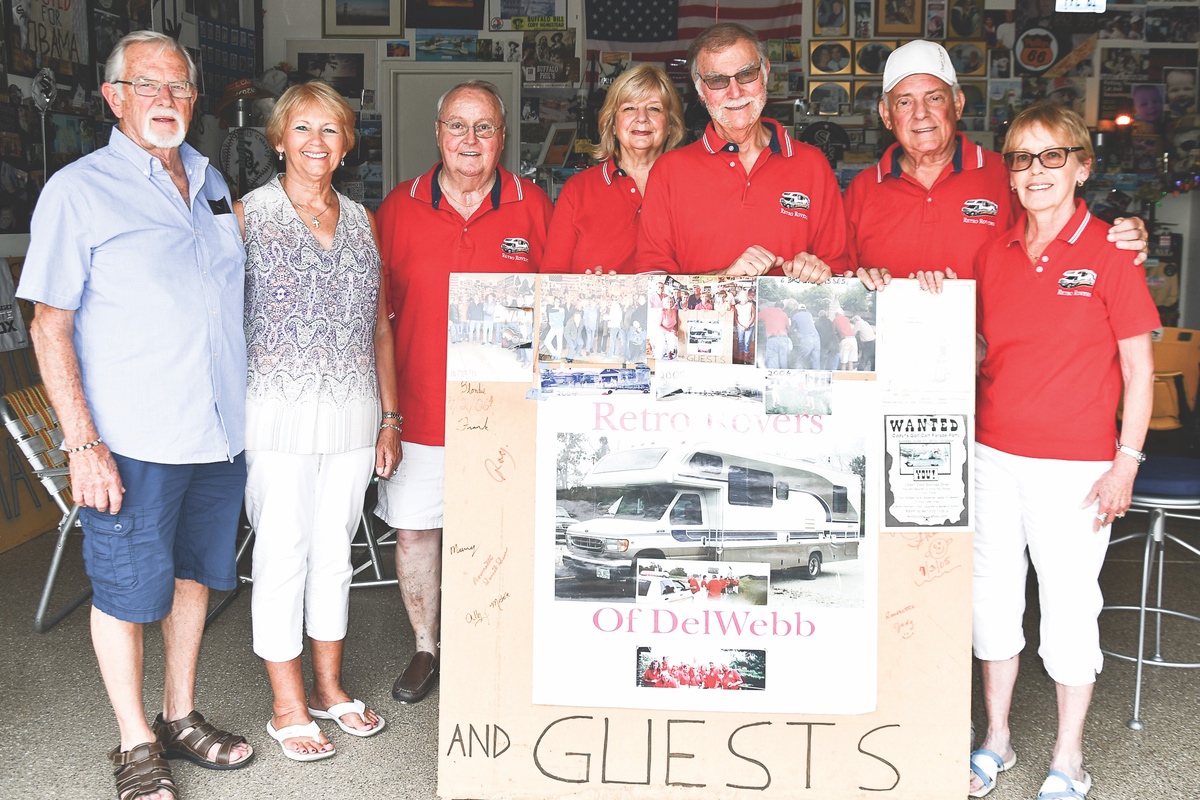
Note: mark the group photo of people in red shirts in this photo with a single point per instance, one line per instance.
(723, 669)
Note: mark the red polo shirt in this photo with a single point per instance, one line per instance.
(897, 223)
(595, 222)
(775, 320)
(702, 210)
(1049, 385)
(422, 240)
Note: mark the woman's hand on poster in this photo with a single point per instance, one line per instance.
(874, 278)
(931, 280)
(807, 268)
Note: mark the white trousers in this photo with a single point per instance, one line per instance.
(1034, 504)
(304, 510)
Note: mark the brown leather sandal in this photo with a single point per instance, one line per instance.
(201, 737)
(141, 770)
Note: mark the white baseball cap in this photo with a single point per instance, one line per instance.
(918, 57)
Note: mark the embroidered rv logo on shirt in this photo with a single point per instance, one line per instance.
(794, 200)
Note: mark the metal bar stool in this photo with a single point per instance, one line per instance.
(1165, 486)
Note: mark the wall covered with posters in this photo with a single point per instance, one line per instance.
(705, 559)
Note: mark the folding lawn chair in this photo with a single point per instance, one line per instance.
(34, 425)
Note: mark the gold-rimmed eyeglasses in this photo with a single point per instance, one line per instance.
(484, 130)
(718, 81)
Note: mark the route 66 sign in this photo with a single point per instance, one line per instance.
(1036, 50)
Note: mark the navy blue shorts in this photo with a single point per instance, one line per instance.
(176, 521)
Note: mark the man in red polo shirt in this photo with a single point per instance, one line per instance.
(935, 198)
(467, 214)
(775, 324)
(745, 199)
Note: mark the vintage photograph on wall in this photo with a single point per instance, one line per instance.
(870, 57)
(829, 58)
(966, 19)
(828, 97)
(346, 65)
(374, 19)
(832, 18)
(898, 17)
(466, 15)
(647, 499)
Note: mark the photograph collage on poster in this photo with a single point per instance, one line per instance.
(696, 542)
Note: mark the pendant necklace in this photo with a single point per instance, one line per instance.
(316, 218)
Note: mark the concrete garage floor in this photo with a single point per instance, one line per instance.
(56, 724)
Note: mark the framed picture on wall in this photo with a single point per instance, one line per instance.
(369, 19)
(828, 98)
(832, 18)
(969, 58)
(870, 57)
(559, 145)
(347, 66)
(829, 57)
(899, 17)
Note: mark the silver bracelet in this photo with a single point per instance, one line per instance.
(71, 450)
(396, 428)
(394, 415)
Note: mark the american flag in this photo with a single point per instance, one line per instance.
(657, 30)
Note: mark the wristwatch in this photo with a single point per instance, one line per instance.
(1136, 455)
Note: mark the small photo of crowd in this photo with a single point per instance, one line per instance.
(702, 318)
(490, 327)
(827, 326)
(594, 319)
(669, 581)
(683, 668)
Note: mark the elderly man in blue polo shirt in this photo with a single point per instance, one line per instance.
(136, 263)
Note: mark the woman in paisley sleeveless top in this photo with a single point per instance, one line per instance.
(321, 373)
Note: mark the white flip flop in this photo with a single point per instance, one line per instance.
(311, 730)
(987, 765)
(339, 710)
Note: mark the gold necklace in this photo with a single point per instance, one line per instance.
(482, 193)
(316, 218)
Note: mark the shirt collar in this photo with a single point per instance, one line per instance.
(967, 155)
(146, 163)
(612, 168)
(1070, 232)
(780, 144)
(435, 189)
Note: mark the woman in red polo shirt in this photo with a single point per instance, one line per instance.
(1066, 318)
(595, 224)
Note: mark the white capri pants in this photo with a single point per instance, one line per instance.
(412, 499)
(1034, 503)
(304, 510)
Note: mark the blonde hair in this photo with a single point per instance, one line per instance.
(313, 93)
(1057, 120)
(633, 85)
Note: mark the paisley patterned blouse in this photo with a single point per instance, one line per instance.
(310, 329)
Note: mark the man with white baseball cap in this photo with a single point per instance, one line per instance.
(937, 192)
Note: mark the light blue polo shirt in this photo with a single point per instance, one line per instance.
(157, 291)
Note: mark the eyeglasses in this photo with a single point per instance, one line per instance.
(181, 89)
(484, 130)
(1051, 158)
(748, 75)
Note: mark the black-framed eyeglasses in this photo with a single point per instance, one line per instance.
(747, 75)
(1051, 158)
(484, 130)
(180, 89)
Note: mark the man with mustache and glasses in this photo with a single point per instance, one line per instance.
(136, 264)
(746, 199)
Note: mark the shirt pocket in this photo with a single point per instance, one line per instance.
(108, 548)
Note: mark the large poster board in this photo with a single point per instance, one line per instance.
(850, 679)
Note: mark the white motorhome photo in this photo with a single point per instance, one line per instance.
(700, 503)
